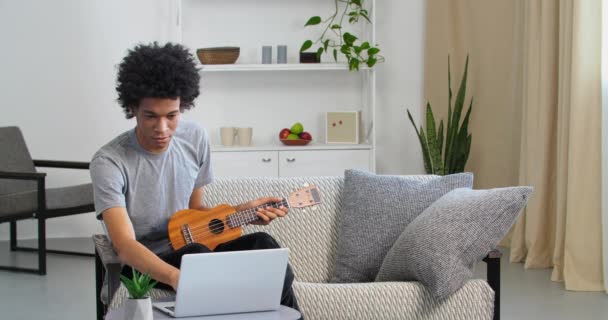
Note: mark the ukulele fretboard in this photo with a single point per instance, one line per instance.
(244, 217)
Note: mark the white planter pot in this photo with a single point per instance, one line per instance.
(138, 309)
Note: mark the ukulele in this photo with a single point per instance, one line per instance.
(222, 223)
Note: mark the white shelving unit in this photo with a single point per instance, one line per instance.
(281, 147)
(277, 67)
(266, 158)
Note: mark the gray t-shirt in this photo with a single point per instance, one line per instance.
(152, 187)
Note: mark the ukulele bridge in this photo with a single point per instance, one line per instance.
(187, 233)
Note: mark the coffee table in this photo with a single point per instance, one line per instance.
(284, 313)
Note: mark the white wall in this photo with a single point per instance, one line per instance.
(401, 34)
(57, 80)
(58, 73)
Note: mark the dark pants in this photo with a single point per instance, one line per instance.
(254, 241)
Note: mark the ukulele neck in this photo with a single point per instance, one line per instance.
(241, 218)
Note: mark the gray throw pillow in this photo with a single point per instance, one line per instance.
(375, 210)
(440, 247)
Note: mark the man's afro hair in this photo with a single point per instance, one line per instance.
(153, 71)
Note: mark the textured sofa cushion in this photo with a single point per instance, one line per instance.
(440, 247)
(375, 210)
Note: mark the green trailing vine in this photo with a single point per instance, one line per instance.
(356, 52)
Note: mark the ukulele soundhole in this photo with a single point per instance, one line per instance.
(216, 226)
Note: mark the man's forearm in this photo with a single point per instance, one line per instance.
(141, 258)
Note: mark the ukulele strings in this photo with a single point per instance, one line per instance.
(219, 226)
(204, 230)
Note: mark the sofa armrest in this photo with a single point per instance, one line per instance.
(392, 300)
(107, 273)
(493, 275)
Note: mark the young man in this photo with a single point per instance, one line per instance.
(143, 176)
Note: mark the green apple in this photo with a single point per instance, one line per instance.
(297, 128)
(293, 136)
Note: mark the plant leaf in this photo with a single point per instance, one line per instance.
(373, 51)
(336, 54)
(454, 120)
(313, 21)
(325, 45)
(440, 141)
(349, 38)
(431, 135)
(458, 106)
(371, 61)
(364, 15)
(365, 45)
(425, 157)
(319, 53)
(345, 49)
(425, 152)
(464, 143)
(448, 142)
(336, 26)
(306, 45)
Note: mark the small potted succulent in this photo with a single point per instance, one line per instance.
(139, 305)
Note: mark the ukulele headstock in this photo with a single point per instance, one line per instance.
(305, 197)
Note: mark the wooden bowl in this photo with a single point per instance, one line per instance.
(218, 55)
(295, 142)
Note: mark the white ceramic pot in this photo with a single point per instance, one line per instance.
(138, 309)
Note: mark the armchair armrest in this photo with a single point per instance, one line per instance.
(40, 178)
(61, 164)
(22, 175)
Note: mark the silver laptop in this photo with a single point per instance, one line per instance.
(228, 282)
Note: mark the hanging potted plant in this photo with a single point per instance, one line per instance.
(336, 40)
(139, 305)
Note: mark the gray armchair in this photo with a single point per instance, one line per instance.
(23, 195)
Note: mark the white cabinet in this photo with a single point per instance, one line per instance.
(287, 163)
(245, 164)
(321, 162)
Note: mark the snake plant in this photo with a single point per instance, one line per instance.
(451, 159)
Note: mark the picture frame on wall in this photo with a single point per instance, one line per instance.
(343, 127)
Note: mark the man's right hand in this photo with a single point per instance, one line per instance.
(132, 252)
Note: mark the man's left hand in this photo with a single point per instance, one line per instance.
(266, 213)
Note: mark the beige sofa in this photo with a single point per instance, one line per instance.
(311, 236)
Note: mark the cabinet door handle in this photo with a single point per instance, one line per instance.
(291, 159)
(266, 159)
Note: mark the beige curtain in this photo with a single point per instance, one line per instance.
(535, 76)
(560, 153)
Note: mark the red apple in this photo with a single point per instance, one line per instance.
(305, 135)
(284, 133)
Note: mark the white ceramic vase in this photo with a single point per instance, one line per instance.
(138, 309)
